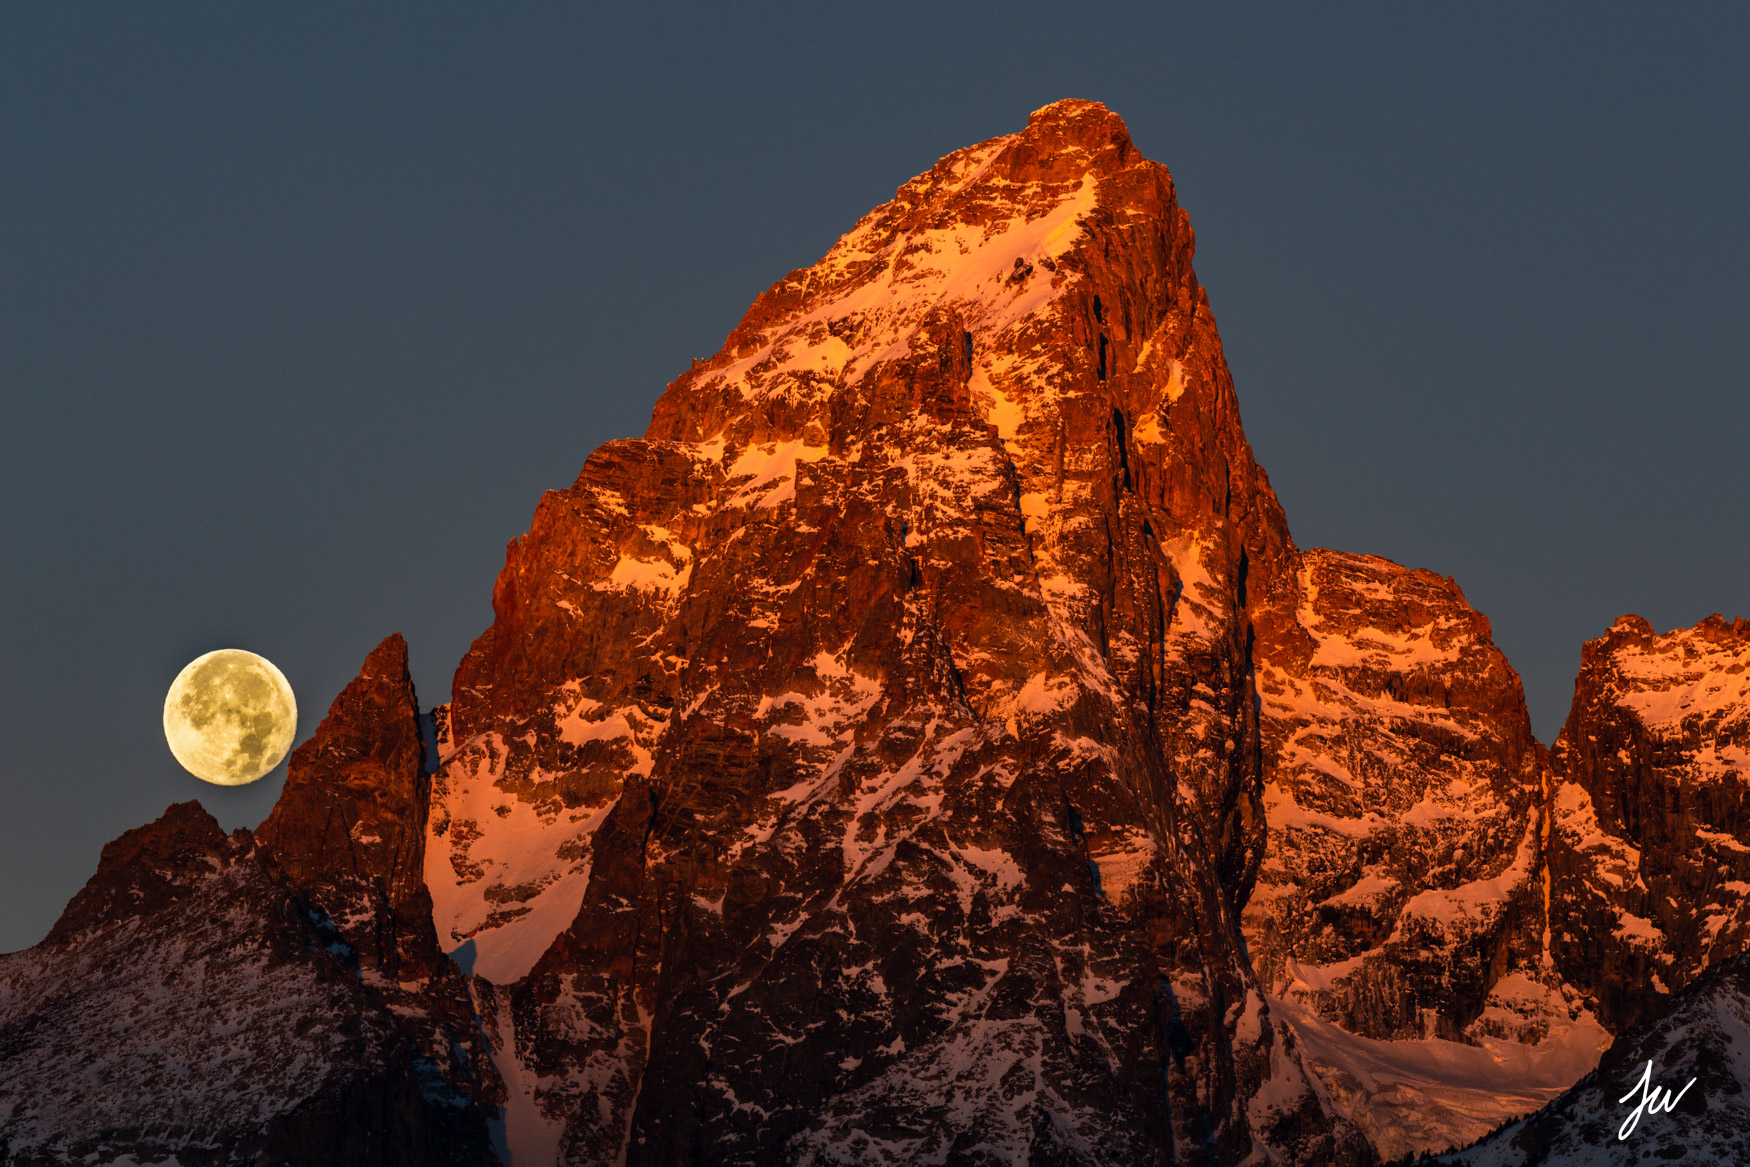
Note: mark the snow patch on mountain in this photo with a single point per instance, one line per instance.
(506, 873)
(1434, 1093)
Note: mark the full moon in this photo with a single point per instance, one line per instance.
(230, 717)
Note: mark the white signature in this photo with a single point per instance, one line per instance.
(1653, 1100)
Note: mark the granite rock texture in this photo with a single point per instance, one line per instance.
(1649, 847)
(1399, 916)
(1694, 1054)
(193, 1004)
(863, 767)
(925, 744)
(1403, 791)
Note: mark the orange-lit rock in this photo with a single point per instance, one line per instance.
(1650, 847)
(862, 766)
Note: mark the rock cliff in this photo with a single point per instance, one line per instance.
(349, 830)
(863, 766)
(1696, 1050)
(1403, 785)
(1649, 850)
(1455, 922)
(277, 999)
(1400, 911)
(925, 744)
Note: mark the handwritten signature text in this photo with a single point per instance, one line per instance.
(1654, 1100)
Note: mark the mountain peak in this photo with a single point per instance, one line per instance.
(927, 743)
(351, 820)
(368, 746)
(1067, 108)
(149, 867)
(901, 670)
(1087, 124)
(984, 252)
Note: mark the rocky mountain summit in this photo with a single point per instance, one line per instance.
(1402, 792)
(862, 767)
(1649, 848)
(1435, 879)
(925, 744)
(203, 1002)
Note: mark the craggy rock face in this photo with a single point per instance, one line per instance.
(1699, 1049)
(1650, 846)
(1399, 914)
(349, 830)
(147, 869)
(192, 1004)
(351, 819)
(1401, 881)
(863, 767)
(907, 751)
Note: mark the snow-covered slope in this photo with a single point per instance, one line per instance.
(1413, 1095)
(192, 1004)
(1704, 1039)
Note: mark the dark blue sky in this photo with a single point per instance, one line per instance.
(303, 309)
